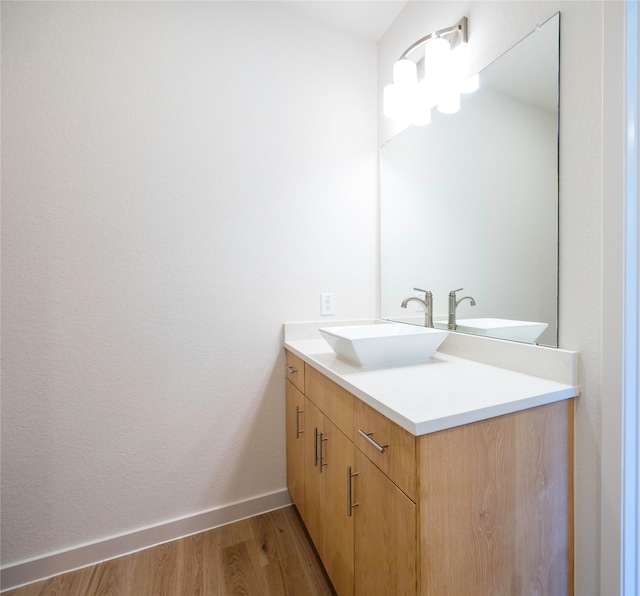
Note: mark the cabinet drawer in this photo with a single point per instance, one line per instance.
(387, 445)
(295, 370)
(335, 402)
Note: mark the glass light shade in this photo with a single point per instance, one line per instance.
(420, 105)
(425, 94)
(437, 66)
(405, 73)
(449, 102)
(399, 102)
(436, 50)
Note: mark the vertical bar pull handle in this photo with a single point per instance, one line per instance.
(350, 505)
(315, 449)
(298, 430)
(321, 463)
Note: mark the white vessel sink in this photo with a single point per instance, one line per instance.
(524, 331)
(385, 344)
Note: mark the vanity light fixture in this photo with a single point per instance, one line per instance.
(444, 65)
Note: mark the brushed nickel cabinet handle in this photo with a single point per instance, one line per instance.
(315, 446)
(292, 370)
(298, 431)
(350, 505)
(367, 437)
(321, 464)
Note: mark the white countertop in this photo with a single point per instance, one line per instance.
(445, 392)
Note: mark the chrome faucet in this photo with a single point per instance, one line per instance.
(453, 305)
(427, 303)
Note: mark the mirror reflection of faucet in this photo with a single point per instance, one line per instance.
(453, 305)
(427, 303)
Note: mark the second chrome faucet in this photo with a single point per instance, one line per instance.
(453, 305)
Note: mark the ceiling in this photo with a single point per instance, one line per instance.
(363, 18)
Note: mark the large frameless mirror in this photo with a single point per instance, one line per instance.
(471, 201)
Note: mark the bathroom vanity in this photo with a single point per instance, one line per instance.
(448, 477)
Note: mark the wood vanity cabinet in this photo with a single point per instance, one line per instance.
(476, 509)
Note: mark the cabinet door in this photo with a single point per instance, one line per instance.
(337, 556)
(312, 516)
(295, 445)
(385, 534)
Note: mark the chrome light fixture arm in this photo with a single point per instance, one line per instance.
(455, 35)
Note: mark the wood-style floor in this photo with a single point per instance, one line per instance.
(266, 555)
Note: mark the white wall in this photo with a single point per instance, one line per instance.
(178, 180)
(493, 28)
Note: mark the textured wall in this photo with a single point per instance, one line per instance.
(178, 180)
(493, 28)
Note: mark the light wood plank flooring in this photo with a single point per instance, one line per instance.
(266, 555)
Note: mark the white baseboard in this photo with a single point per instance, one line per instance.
(39, 568)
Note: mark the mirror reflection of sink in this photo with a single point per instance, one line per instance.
(523, 331)
(384, 344)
